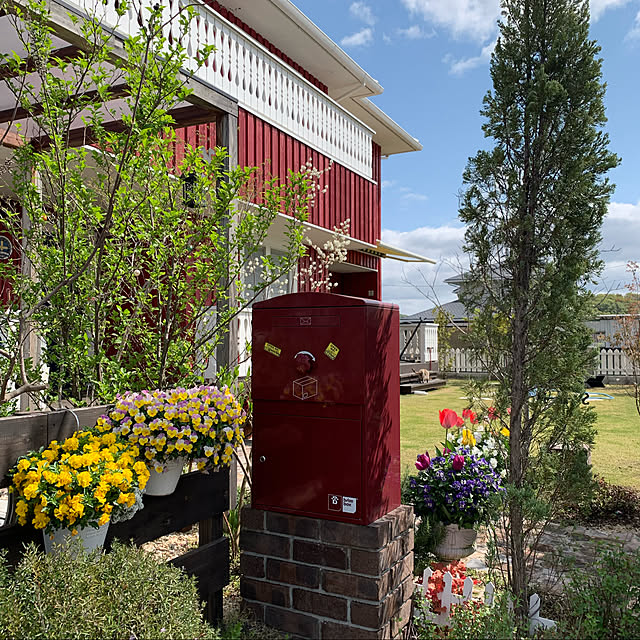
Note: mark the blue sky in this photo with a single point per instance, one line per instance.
(431, 57)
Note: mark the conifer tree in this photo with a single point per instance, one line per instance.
(533, 203)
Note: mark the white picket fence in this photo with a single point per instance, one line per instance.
(448, 598)
(611, 362)
(614, 362)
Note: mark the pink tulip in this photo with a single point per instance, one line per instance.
(458, 462)
(423, 461)
(492, 414)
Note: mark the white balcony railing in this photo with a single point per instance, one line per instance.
(260, 82)
(419, 343)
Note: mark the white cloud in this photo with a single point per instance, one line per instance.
(387, 184)
(362, 11)
(634, 33)
(620, 233)
(359, 39)
(458, 67)
(475, 19)
(415, 32)
(598, 7)
(443, 244)
(412, 195)
(409, 194)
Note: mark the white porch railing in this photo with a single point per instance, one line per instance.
(260, 82)
(418, 343)
(614, 362)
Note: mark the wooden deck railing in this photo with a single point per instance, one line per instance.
(199, 498)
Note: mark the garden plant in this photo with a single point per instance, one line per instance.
(84, 481)
(533, 202)
(124, 238)
(125, 593)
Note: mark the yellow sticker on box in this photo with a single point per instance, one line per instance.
(331, 351)
(269, 348)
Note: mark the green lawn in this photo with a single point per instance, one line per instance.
(616, 456)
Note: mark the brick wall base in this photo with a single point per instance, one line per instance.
(323, 579)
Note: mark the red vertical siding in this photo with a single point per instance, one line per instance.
(12, 262)
(198, 135)
(348, 196)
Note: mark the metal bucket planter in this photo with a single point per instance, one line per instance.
(89, 537)
(165, 483)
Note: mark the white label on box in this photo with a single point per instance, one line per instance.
(349, 504)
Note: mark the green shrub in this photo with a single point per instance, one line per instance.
(122, 594)
(604, 601)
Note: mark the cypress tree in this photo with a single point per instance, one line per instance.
(533, 204)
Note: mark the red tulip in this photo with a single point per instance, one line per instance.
(467, 413)
(449, 418)
(458, 462)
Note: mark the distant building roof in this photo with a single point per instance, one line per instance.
(455, 309)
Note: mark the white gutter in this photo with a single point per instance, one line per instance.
(365, 85)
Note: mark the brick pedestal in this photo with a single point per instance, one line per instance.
(322, 579)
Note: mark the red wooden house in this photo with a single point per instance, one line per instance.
(276, 92)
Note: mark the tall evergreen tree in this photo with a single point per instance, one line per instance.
(534, 205)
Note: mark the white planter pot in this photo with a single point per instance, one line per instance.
(457, 543)
(165, 483)
(89, 537)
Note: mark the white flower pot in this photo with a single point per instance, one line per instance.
(89, 537)
(457, 543)
(165, 483)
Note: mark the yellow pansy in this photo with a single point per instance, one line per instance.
(64, 478)
(41, 520)
(31, 490)
(505, 432)
(71, 444)
(84, 478)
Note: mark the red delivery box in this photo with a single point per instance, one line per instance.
(326, 404)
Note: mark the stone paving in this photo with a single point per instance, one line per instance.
(562, 547)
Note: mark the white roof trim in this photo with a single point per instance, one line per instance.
(391, 137)
(317, 236)
(281, 22)
(288, 29)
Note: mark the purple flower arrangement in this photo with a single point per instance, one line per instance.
(456, 487)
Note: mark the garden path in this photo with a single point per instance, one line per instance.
(560, 547)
